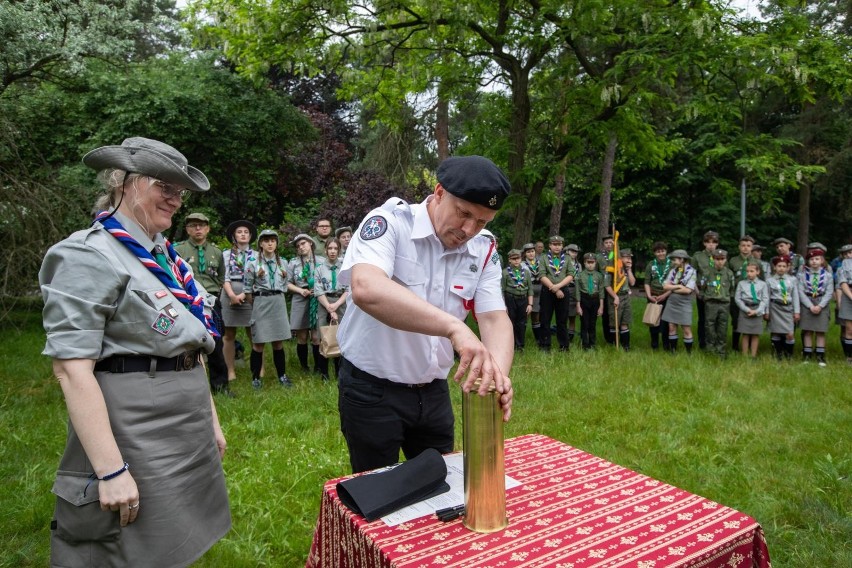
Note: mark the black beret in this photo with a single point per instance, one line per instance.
(474, 179)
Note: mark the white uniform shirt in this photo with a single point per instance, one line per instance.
(399, 238)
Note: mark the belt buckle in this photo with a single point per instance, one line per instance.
(188, 361)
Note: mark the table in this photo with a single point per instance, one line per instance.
(573, 510)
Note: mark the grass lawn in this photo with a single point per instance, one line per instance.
(769, 439)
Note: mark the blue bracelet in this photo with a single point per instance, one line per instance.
(109, 476)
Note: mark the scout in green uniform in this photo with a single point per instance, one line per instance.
(532, 262)
(717, 288)
(558, 274)
(324, 232)
(656, 272)
(573, 252)
(702, 261)
(590, 286)
(738, 265)
(208, 268)
(620, 302)
(765, 267)
(784, 247)
(516, 285)
(605, 259)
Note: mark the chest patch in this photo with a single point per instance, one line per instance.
(374, 227)
(163, 324)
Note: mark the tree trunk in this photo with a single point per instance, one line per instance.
(606, 187)
(559, 191)
(804, 219)
(525, 212)
(442, 125)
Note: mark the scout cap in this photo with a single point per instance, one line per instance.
(474, 179)
(679, 253)
(573, 247)
(303, 237)
(232, 228)
(514, 253)
(528, 246)
(342, 230)
(756, 247)
(606, 237)
(150, 158)
(625, 253)
(201, 217)
(267, 233)
(780, 240)
(711, 235)
(590, 256)
(720, 253)
(818, 245)
(845, 248)
(660, 245)
(748, 238)
(556, 239)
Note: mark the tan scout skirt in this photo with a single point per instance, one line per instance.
(163, 427)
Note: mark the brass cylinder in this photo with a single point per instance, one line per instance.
(484, 467)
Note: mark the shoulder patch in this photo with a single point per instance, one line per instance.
(495, 258)
(373, 228)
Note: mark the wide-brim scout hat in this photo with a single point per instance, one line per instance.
(303, 237)
(780, 240)
(232, 228)
(474, 179)
(342, 230)
(200, 217)
(266, 234)
(679, 253)
(150, 158)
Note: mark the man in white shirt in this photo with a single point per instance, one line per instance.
(414, 272)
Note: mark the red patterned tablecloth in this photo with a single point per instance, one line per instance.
(573, 510)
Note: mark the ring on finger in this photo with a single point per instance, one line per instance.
(136, 506)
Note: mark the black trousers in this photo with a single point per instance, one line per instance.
(660, 332)
(379, 417)
(608, 336)
(702, 325)
(516, 306)
(550, 304)
(735, 336)
(588, 321)
(216, 360)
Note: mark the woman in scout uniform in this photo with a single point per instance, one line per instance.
(619, 302)
(784, 311)
(301, 272)
(343, 236)
(558, 274)
(330, 294)
(532, 263)
(266, 282)
(236, 310)
(752, 299)
(573, 253)
(681, 282)
(816, 288)
(843, 271)
(518, 295)
(590, 285)
(718, 289)
(655, 275)
(140, 481)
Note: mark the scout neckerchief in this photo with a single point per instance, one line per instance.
(237, 261)
(753, 292)
(308, 276)
(591, 277)
(681, 274)
(178, 278)
(660, 273)
(533, 266)
(556, 263)
(783, 286)
(516, 276)
(273, 267)
(202, 262)
(333, 268)
(815, 282)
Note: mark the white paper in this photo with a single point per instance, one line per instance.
(452, 498)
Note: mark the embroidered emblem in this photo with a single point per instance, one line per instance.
(493, 201)
(495, 258)
(161, 294)
(163, 325)
(472, 268)
(373, 228)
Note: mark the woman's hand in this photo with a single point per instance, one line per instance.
(120, 494)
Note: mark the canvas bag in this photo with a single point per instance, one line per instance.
(652, 315)
(328, 341)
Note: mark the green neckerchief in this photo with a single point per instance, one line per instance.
(753, 293)
(308, 276)
(160, 257)
(333, 268)
(202, 262)
(269, 265)
(783, 290)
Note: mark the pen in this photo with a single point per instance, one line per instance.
(449, 510)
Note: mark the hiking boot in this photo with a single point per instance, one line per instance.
(285, 381)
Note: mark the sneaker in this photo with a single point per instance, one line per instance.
(285, 381)
(821, 362)
(255, 382)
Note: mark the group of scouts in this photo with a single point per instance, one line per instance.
(786, 292)
(250, 281)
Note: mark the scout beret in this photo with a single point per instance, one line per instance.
(267, 233)
(818, 245)
(513, 253)
(556, 239)
(720, 253)
(589, 256)
(196, 217)
(748, 238)
(474, 179)
(679, 253)
(303, 237)
(845, 248)
(779, 240)
(232, 228)
(710, 235)
(528, 246)
(625, 252)
(573, 247)
(814, 252)
(785, 258)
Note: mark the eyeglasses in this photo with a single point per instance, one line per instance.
(323, 226)
(170, 191)
(193, 226)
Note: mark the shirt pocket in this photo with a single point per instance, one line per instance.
(410, 274)
(464, 285)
